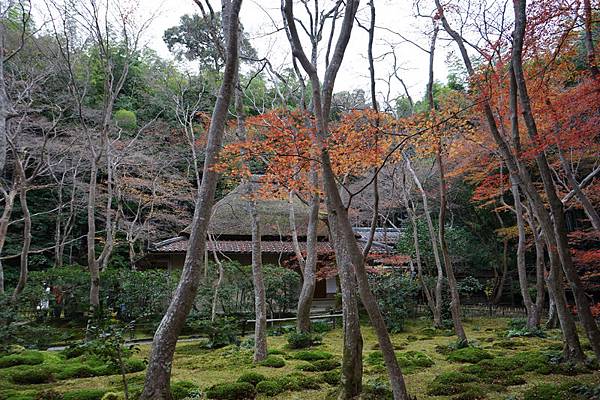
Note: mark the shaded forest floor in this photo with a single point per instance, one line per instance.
(497, 368)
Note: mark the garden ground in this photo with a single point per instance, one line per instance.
(497, 367)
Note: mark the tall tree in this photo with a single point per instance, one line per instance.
(157, 383)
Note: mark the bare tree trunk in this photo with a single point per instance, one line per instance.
(560, 227)
(437, 315)
(24, 267)
(521, 267)
(309, 266)
(573, 352)
(93, 265)
(435, 311)
(157, 383)
(4, 100)
(258, 280)
(589, 41)
(452, 284)
(9, 201)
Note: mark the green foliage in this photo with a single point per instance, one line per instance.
(269, 388)
(332, 378)
(24, 358)
(220, 332)
(299, 340)
(182, 389)
(32, 375)
(85, 394)
(409, 361)
(320, 326)
(469, 355)
(319, 366)
(377, 390)
(291, 382)
(396, 293)
(126, 119)
(312, 355)
(232, 391)
(252, 378)
(273, 362)
(49, 395)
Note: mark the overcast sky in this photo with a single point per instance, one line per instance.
(262, 18)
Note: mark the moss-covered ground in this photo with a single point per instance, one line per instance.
(498, 368)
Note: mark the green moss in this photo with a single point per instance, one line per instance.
(332, 378)
(232, 391)
(276, 352)
(273, 362)
(23, 358)
(182, 389)
(312, 355)
(49, 395)
(269, 388)
(113, 396)
(414, 359)
(252, 378)
(85, 394)
(319, 366)
(32, 375)
(469, 355)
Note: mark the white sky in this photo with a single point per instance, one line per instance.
(257, 17)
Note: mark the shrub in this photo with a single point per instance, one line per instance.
(320, 326)
(113, 396)
(296, 381)
(543, 392)
(78, 371)
(332, 378)
(299, 340)
(85, 394)
(319, 366)
(469, 355)
(32, 375)
(377, 390)
(273, 362)
(395, 293)
(276, 352)
(252, 378)
(126, 119)
(526, 332)
(414, 359)
(312, 355)
(135, 365)
(49, 395)
(269, 388)
(24, 358)
(182, 389)
(232, 391)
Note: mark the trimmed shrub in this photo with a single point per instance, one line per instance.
(77, 371)
(312, 355)
(276, 352)
(24, 358)
(126, 119)
(232, 391)
(298, 340)
(135, 365)
(269, 388)
(182, 389)
(297, 381)
(32, 375)
(85, 394)
(332, 378)
(415, 359)
(469, 355)
(320, 326)
(377, 390)
(252, 378)
(272, 362)
(319, 366)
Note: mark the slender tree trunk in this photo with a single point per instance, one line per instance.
(437, 315)
(260, 304)
(435, 311)
(309, 267)
(589, 41)
(93, 265)
(556, 206)
(9, 201)
(532, 321)
(24, 267)
(452, 284)
(518, 170)
(4, 100)
(157, 383)
(501, 281)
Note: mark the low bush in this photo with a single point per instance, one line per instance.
(182, 389)
(321, 326)
(312, 355)
(276, 352)
(78, 371)
(232, 391)
(113, 396)
(469, 355)
(319, 366)
(32, 375)
(49, 395)
(23, 358)
(252, 378)
(269, 388)
(409, 361)
(526, 332)
(85, 394)
(332, 378)
(377, 390)
(299, 340)
(273, 362)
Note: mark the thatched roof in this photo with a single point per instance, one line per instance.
(231, 216)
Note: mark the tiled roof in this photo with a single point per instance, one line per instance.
(239, 246)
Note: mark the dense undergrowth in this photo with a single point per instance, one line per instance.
(497, 366)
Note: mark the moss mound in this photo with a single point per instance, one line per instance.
(319, 366)
(273, 362)
(469, 355)
(293, 382)
(23, 358)
(85, 394)
(232, 391)
(182, 389)
(252, 378)
(312, 355)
